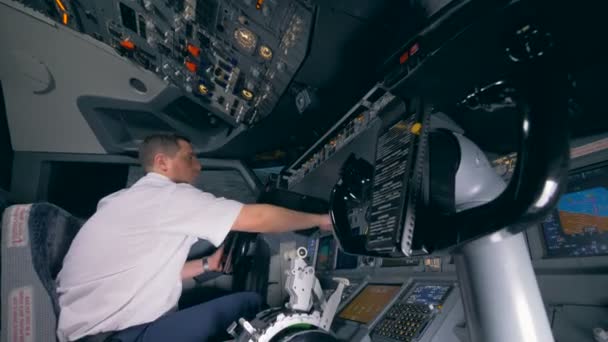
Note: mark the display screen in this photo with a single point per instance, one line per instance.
(311, 246)
(369, 303)
(346, 261)
(326, 253)
(431, 294)
(579, 226)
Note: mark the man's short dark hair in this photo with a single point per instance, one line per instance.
(167, 143)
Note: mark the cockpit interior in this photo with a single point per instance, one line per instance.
(460, 148)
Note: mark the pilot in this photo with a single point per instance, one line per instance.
(122, 276)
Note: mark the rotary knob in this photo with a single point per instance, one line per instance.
(302, 252)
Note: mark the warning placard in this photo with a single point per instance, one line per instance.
(21, 309)
(17, 227)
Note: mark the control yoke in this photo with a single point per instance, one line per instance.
(537, 89)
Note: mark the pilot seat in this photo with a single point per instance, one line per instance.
(35, 239)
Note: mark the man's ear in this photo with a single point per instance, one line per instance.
(161, 162)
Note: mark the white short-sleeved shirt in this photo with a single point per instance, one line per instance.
(124, 266)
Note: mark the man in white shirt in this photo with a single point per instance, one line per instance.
(123, 272)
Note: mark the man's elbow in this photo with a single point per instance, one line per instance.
(251, 218)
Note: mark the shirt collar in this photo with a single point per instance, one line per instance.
(158, 176)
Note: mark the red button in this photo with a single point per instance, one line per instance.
(194, 50)
(404, 57)
(127, 44)
(191, 66)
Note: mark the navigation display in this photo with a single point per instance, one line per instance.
(369, 303)
(428, 294)
(579, 226)
(326, 253)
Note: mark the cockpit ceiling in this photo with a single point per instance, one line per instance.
(241, 64)
(45, 67)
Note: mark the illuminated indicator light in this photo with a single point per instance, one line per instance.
(247, 94)
(416, 128)
(245, 38)
(65, 18)
(404, 57)
(61, 6)
(414, 49)
(194, 50)
(191, 66)
(203, 89)
(127, 44)
(258, 4)
(265, 52)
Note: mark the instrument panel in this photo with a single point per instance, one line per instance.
(407, 319)
(236, 58)
(395, 311)
(359, 118)
(328, 256)
(369, 303)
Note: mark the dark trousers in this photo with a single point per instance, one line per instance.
(202, 322)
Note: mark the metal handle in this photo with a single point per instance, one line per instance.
(542, 158)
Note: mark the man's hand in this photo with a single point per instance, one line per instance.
(215, 260)
(325, 223)
(195, 267)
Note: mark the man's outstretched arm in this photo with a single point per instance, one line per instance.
(266, 218)
(261, 218)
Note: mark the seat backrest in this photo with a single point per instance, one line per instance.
(52, 230)
(35, 239)
(4, 203)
